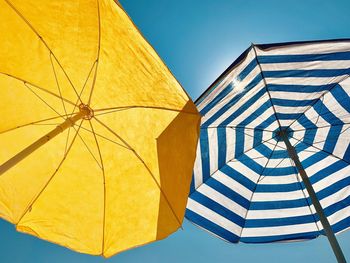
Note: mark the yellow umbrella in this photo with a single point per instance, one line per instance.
(97, 138)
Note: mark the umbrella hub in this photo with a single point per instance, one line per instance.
(87, 112)
(283, 132)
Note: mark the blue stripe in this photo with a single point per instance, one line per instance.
(282, 221)
(228, 192)
(218, 208)
(222, 144)
(267, 239)
(341, 97)
(299, 88)
(346, 156)
(238, 177)
(321, 73)
(341, 225)
(204, 143)
(239, 145)
(332, 138)
(292, 103)
(304, 58)
(212, 227)
(192, 187)
(287, 116)
(277, 188)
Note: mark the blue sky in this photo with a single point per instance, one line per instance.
(198, 40)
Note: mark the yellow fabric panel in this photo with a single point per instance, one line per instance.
(20, 185)
(26, 56)
(69, 210)
(125, 180)
(139, 77)
(70, 29)
(176, 152)
(23, 106)
(132, 200)
(143, 131)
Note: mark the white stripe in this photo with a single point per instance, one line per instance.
(278, 196)
(278, 213)
(305, 81)
(279, 230)
(275, 180)
(213, 150)
(340, 148)
(230, 142)
(308, 65)
(198, 176)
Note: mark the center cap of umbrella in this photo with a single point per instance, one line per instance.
(281, 132)
(87, 112)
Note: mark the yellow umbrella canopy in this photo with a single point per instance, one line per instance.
(97, 138)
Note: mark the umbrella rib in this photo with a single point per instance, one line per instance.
(145, 165)
(329, 153)
(256, 185)
(262, 177)
(333, 139)
(37, 95)
(36, 86)
(313, 118)
(83, 88)
(319, 115)
(321, 127)
(89, 150)
(98, 50)
(104, 188)
(31, 123)
(42, 40)
(121, 108)
(267, 90)
(58, 86)
(50, 179)
(318, 99)
(277, 146)
(107, 139)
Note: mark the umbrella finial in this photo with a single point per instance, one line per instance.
(87, 112)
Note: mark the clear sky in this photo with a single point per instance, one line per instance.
(198, 40)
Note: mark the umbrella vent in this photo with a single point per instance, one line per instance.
(87, 112)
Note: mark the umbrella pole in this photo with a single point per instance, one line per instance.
(325, 223)
(69, 122)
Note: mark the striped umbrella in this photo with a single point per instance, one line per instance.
(273, 157)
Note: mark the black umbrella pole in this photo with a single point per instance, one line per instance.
(325, 223)
(69, 122)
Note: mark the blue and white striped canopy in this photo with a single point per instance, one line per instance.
(245, 188)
